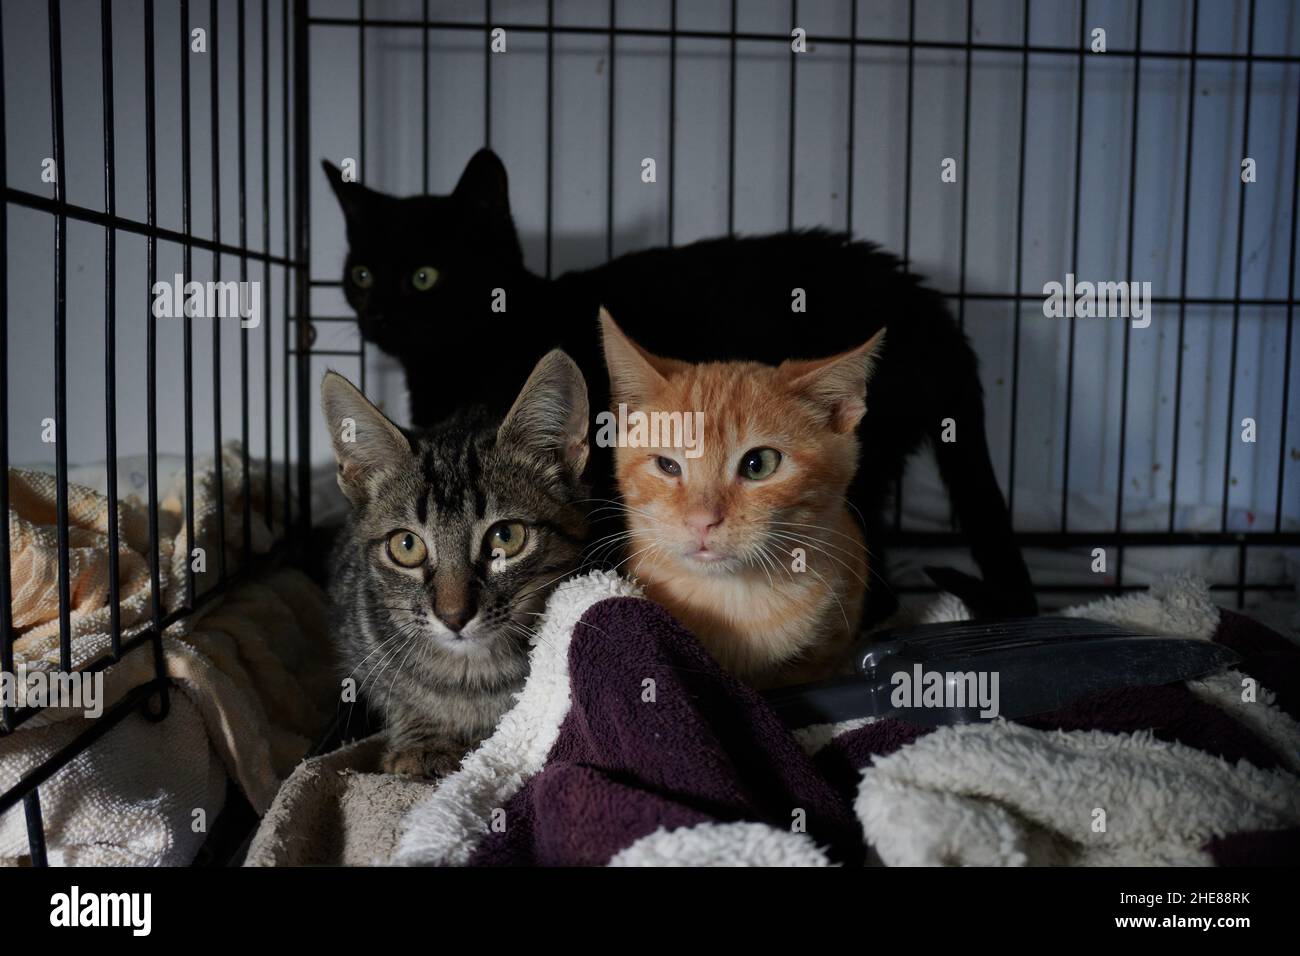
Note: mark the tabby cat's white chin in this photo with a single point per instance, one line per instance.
(470, 642)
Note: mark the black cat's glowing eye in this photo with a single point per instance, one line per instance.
(668, 466)
(362, 278)
(425, 278)
(759, 463)
(505, 539)
(406, 548)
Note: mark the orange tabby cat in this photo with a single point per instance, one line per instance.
(747, 539)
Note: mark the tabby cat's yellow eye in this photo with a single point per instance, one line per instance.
(424, 278)
(407, 548)
(506, 539)
(362, 277)
(759, 463)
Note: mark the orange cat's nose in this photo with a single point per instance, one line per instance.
(703, 520)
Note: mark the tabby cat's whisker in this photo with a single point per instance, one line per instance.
(621, 508)
(527, 631)
(412, 643)
(401, 630)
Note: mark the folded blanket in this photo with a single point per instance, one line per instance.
(629, 746)
(34, 551)
(253, 672)
(336, 810)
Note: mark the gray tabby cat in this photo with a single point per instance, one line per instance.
(456, 536)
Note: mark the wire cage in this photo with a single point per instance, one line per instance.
(262, 76)
(297, 79)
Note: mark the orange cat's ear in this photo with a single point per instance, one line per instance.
(634, 374)
(838, 383)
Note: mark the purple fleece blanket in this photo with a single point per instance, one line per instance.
(705, 749)
(629, 746)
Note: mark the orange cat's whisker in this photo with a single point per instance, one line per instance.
(633, 555)
(818, 541)
(836, 597)
(654, 548)
(762, 563)
(777, 561)
(819, 527)
(812, 544)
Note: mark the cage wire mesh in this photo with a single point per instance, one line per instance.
(157, 152)
(1097, 140)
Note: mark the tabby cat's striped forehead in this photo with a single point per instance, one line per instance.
(450, 464)
(461, 473)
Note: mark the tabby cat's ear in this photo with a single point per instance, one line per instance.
(635, 376)
(551, 415)
(838, 383)
(366, 443)
(484, 183)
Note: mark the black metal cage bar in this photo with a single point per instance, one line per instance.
(152, 696)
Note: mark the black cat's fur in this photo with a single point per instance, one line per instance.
(720, 299)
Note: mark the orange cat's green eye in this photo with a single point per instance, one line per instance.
(362, 277)
(407, 549)
(759, 463)
(668, 466)
(424, 278)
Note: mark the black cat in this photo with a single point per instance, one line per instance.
(439, 283)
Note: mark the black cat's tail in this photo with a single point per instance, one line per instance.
(960, 442)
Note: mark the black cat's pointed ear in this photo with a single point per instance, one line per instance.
(484, 182)
(351, 196)
(551, 413)
(366, 444)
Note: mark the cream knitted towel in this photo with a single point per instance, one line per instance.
(254, 672)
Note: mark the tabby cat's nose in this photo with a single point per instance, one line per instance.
(455, 618)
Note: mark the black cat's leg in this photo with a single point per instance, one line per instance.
(867, 499)
(881, 600)
(961, 450)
